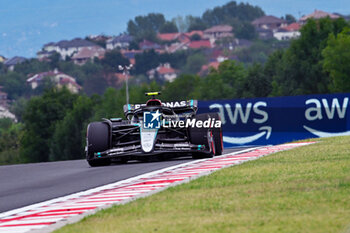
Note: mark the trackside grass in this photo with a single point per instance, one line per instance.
(306, 189)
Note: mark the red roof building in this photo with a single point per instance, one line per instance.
(168, 36)
(200, 44)
(164, 72)
(317, 14)
(293, 27)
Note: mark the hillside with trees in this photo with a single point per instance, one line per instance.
(52, 120)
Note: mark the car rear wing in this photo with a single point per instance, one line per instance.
(176, 106)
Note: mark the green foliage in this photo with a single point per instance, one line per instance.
(194, 63)
(337, 60)
(195, 37)
(290, 18)
(14, 84)
(146, 61)
(146, 27)
(226, 82)
(258, 52)
(112, 60)
(168, 27)
(68, 140)
(246, 31)
(181, 88)
(300, 69)
(9, 141)
(232, 11)
(18, 108)
(196, 23)
(150, 59)
(257, 83)
(40, 118)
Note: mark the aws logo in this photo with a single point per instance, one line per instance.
(322, 109)
(238, 114)
(241, 114)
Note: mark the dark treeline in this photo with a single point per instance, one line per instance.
(53, 125)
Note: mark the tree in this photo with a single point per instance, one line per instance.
(301, 70)
(14, 84)
(290, 18)
(257, 84)
(112, 60)
(168, 27)
(230, 11)
(10, 133)
(195, 37)
(337, 59)
(246, 31)
(194, 63)
(226, 82)
(146, 61)
(181, 88)
(68, 140)
(146, 27)
(196, 23)
(40, 118)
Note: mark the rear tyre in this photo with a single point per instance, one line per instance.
(199, 136)
(98, 136)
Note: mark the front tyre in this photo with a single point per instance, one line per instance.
(98, 137)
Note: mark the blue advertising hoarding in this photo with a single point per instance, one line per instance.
(275, 120)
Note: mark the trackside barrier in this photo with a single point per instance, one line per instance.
(271, 121)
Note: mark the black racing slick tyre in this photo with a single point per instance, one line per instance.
(98, 137)
(199, 136)
(217, 133)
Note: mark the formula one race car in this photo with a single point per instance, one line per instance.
(154, 130)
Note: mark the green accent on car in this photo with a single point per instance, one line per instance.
(199, 147)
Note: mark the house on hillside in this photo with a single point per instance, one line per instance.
(284, 34)
(199, 44)
(66, 48)
(5, 113)
(168, 36)
(98, 39)
(269, 22)
(195, 32)
(176, 47)
(12, 62)
(2, 59)
(218, 32)
(44, 55)
(130, 55)
(234, 44)
(58, 78)
(147, 45)
(317, 14)
(205, 70)
(121, 42)
(291, 31)
(88, 54)
(164, 72)
(179, 37)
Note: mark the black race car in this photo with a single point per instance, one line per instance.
(154, 130)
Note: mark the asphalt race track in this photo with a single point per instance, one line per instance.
(26, 184)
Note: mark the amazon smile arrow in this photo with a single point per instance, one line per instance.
(244, 140)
